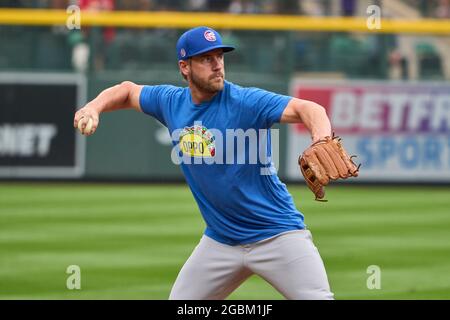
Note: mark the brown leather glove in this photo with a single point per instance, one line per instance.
(323, 161)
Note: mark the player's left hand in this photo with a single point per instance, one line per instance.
(323, 161)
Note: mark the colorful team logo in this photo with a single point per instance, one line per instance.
(210, 36)
(197, 141)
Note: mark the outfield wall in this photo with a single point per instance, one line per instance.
(399, 130)
(127, 144)
(37, 139)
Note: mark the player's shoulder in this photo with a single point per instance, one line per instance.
(238, 91)
(165, 88)
(233, 87)
(163, 91)
(242, 90)
(249, 95)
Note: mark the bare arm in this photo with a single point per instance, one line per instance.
(121, 96)
(311, 114)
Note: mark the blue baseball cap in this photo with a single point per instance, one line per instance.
(199, 40)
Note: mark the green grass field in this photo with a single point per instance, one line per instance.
(131, 240)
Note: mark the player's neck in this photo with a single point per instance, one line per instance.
(199, 96)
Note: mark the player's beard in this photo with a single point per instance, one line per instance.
(212, 85)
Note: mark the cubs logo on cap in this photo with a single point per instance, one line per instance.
(199, 40)
(209, 35)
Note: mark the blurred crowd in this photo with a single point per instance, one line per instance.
(428, 8)
(355, 55)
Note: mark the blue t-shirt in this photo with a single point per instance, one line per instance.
(223, 147)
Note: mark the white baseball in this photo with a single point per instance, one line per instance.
(88, 127)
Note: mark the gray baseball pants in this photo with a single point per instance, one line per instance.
(290, 262)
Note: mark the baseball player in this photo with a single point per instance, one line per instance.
(252, 224)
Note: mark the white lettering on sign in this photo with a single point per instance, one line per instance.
(441, 114)
(392, 112)
(399, 102)
(344, 106)
(419, 111)
(371, 111)
(26, 140)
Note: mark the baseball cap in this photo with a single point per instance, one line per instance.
(199, 40)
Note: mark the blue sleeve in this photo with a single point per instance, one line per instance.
(266, 107)
(154, 101)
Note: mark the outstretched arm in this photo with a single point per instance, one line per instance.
(311, 114)
(121, 96)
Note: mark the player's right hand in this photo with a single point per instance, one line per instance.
(82, 117)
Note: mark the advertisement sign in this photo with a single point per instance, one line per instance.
(399, 131)
(37, 138)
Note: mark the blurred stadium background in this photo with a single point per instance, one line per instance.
(386, 90)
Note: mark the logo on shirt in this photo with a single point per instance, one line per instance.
(197, 141)
(198, 145)
(210, 36)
